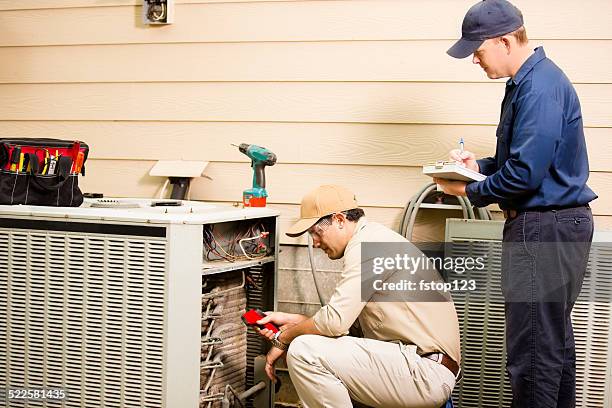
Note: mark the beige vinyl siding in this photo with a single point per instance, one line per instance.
(355, 92)
(86, 22)
(360, 61)
(38, 4)
(353, 102)
(362, 144)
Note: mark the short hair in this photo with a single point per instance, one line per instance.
(352, 215)
(521, 35)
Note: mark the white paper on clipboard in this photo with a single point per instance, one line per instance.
(452, 171)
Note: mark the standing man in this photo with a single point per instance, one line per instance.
(538, 177)
(409, 355)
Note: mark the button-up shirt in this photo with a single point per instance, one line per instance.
(431, 326)
(541, 156)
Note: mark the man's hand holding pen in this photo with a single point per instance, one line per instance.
(465, 158)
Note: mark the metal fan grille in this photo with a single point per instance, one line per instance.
(481, 318)
(592, 317)
(94, 321)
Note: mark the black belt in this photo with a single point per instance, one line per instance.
(445, 360)
(511, 214)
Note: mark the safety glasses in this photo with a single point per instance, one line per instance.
(317, 230)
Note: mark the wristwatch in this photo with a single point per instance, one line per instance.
(277, 343)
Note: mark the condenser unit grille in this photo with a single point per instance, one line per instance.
(256, 299)
(95, 317)
(4, 263)
(591, 318)
(481, 316)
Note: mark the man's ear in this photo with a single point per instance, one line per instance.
(340, 218)
(506, 42)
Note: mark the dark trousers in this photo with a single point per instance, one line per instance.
(544, 261)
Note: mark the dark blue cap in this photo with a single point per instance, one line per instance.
(484, 20)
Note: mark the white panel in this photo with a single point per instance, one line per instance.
(184, 315)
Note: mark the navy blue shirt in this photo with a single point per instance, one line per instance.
(541, 156)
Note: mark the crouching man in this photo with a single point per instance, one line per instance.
(409, 354)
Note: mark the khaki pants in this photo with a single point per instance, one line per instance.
(329, 372)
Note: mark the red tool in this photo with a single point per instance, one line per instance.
(251, 317)
(76, 148)
(79, 162)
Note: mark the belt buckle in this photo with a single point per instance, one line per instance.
(438, 358)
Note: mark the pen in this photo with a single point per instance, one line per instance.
(461, 145)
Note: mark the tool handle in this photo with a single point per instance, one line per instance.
(251, 317)
(259, 175)
(15, 155)
(76, 148)
(31, 163)
(79, 162)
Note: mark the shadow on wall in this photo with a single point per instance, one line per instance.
(296, 289)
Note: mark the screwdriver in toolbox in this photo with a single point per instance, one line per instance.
(79, 162)
(15, 158)
(46, 161)
(53, 163)
(76, 148)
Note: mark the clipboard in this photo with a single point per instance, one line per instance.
(452, 171)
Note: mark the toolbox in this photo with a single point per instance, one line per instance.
(41, 171)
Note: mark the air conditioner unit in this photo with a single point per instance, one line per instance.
(116, 301)
(481, 316)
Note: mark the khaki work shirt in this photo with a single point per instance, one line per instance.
(431, 326)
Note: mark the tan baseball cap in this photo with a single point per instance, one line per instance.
(322, 201)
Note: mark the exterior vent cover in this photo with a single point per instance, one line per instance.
(481, 318)
(95, 321)
(592, 321)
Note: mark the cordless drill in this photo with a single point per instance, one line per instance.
(260, 158)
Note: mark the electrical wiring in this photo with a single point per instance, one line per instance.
(242, 244)
(261, 254)
(211, 245)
